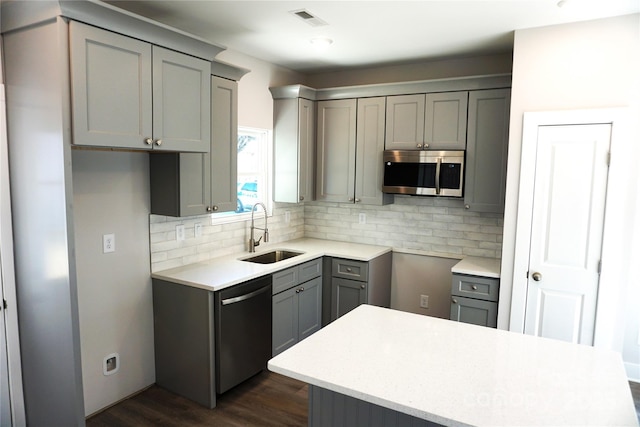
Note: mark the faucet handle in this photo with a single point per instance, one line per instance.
(257, 242)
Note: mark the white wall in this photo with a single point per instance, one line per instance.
(439, 69)
(111, 195)
(593, 64)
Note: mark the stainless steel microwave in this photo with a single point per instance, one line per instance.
(423, 172)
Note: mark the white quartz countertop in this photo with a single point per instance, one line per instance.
(221, 272)
(476, 266)
(458, 374)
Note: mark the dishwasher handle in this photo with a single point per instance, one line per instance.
(245, 296)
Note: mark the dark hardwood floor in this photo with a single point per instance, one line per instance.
(267, 399)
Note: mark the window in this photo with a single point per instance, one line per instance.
(254, 174)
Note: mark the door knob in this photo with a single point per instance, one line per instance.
(537, 276)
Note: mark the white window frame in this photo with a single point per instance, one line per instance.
(267, 170)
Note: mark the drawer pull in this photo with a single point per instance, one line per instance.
(348, 270)
(474, 287)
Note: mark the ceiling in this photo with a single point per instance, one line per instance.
(367, 33)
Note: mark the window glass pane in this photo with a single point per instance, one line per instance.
(254, 172)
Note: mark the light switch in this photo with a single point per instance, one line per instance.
(179, 232)
(197, 229)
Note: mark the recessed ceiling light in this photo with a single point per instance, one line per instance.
(321, 42)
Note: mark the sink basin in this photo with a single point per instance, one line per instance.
(272, 256)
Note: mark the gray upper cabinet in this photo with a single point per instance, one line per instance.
(224, 145)
(336, 150)
(187, 184)
(435, 121)
(130, 94)
(369, 152)
(350, 145)
(445, 121)
(486, 163)
(405, 122)
(294, 150)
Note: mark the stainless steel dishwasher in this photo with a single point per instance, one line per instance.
(243, 332)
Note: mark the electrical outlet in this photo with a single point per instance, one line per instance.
(424, 301)
(111, 364)
(180, 232)
(287, 217)
(108, 243)
(362, 218)
(197, 229)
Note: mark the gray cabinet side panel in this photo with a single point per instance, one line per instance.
(184, 340)
(379, 292)
(164, 181)
(328, 408)
(285, 150)
(38, 123)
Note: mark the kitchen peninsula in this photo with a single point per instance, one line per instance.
(406, 369)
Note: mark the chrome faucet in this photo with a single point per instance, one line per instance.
(252, 240)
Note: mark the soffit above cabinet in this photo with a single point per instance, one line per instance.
(497, 81)
(15, 15)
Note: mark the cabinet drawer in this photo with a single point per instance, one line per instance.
(349, 269)
(309, 270)
(283, 280)
(484, 288)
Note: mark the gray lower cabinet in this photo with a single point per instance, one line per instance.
(487, 143)
(297, 304)
(184, 342)
(186, 184)
(127, 93)
(359, 282)
(474, 300)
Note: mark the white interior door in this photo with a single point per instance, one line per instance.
(566, 231)
(5, 406)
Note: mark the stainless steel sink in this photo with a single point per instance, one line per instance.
(272, 256)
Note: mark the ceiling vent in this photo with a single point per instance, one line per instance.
(308, 17)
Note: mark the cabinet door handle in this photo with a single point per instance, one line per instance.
(362, 286)
(301, 198)
(148, 141)
(158, 142)
(351, 199)
(419, 146)
(209, 209)
(453, 300)
(467, 207)
(215, 208)
(357, 200)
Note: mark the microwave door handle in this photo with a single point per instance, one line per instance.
(438, 163)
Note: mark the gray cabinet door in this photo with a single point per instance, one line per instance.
(181, 102)
(309, 308)
(110, 88)
(285, 320)
(224, 145)
(446, 121)
(486, 164)
(476, 312)
(294, 150)
(369, 151)
(346, 295)
(405, 122)
(336, 150)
